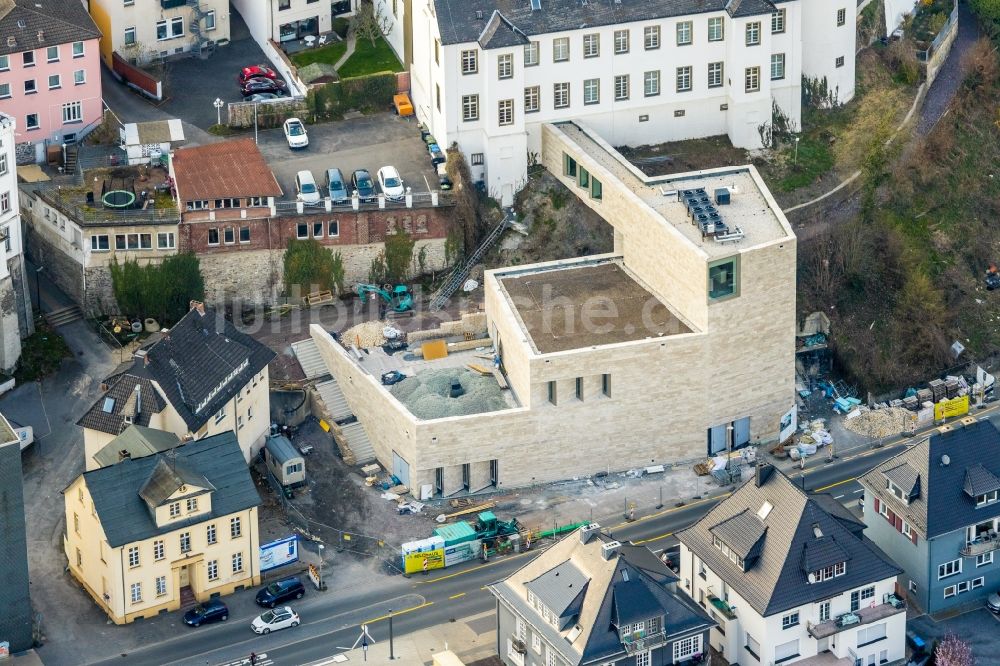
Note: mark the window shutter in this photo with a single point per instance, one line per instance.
(878, 504)
(898, 523)
(913, 536)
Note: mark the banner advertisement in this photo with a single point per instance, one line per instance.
(949, 408)
(423, 561)
(279, 553)
(789, 422)
(461, 552)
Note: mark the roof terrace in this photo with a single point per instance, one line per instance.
(586, 304)
(750, 218)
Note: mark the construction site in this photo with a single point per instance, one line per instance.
(677, 345)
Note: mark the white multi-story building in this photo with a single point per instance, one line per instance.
(790, 578)
(284, 21)
(15, 308)
(637, 72)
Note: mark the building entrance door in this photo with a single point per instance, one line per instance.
(185, 576)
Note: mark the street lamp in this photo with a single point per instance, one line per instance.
(320, 546)
(38, 278)
(218, 104)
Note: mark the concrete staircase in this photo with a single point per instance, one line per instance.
(63, 316)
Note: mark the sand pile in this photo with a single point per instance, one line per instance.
(427, 394)
(366, 335)
(879, 422)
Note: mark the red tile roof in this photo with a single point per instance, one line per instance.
(221, 170)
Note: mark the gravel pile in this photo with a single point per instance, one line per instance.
(879, 422)
(366, 334)
(427, 394)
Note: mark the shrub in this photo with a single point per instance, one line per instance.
(163, 290)
(364, 93)
(311, 266)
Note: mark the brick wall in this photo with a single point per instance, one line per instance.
(353, 228)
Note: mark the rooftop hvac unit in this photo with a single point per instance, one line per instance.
(722, 196)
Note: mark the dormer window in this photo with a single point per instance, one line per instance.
(897, 491)
(827, 573)
(175, 509)
(192, 504)
(988, 498)
(728, 552)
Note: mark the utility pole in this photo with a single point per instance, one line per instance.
(391, 655)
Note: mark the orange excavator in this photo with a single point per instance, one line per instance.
(992, 277)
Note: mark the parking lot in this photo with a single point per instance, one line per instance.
(193, 84)
(979, 628)
(367, 142)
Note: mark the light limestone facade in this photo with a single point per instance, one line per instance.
(107, 575)
(630, 403)
(246, 414)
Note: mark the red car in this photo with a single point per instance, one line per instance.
(253, 71)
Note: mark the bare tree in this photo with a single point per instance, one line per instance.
(370, 22)
(953, 651)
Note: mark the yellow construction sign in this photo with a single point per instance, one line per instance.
(954, 407)
(425, 561)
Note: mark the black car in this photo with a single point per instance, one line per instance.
(392, 377)
(363, 184)
(260, 84)
(212, 610)
(279, 591)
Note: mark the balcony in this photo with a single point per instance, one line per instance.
(721, 606)
(858, 618)
(641, 641)
(983, 544)
(171, 4)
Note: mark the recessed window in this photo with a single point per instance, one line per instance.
(213, 569)
(722, 279)
(752, 79)
(552, 392)
(683, 79)
(213, 236)
(52, 54)
(175, 509)
(684, 33)
(790, 620)
(532, 99)
(591, 91)
(158, 551)
(99, 243)
(596, 190)
(560, 95)
(715, 74)
(753, 33)
(987, 498)
(651, 83)
(777, 66)
(301, 230)
(185, 542)
(30, 87)
(237, 562)
(949, 569)
(79, 77)
(211, 536)
(716, 29)
(621, 87)
(505, 112)
(161, 586)
(78, 51)
(841, 17)
(505, 66)
(470, 108)
(129, 36)
(4, 90)
(192, 504)
(531, 54)
(317, 229)
(235, 528)
(229, 235)
(840, 61)
(569, 166)
(72, 112)
(621, 41)
(470, 62)
(28, 58)
(165, 240)
(651, 37)
(136, 592)
(210, 19)
(778, 21)
(333, 228)
(591, 45)
(244, 234)
(55, 81)
(560, 49)
(583, 177)
(4, 63)
(477, 159)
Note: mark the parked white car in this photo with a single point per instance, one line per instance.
(390, 183)
(305, 188)
(275, 619)
(295, 133)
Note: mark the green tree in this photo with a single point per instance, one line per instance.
(398, 255)
(310, 266)
(162, 291)
(337, 271)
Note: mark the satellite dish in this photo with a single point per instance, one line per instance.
(945, 460)
(812, 578)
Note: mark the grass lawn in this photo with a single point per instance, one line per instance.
(368, 59)
(41, 354)
(328, 54)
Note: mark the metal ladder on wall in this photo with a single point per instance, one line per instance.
(463, 268)
(201, 47)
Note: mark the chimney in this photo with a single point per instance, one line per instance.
(41, 35)
(610, 549)
(588, 531)
(124, 455)
(199, 306)
(138, 399)
(763, 473)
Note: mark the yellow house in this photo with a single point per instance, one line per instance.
(152, 534)
(201, 378)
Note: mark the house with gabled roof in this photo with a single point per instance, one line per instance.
(789, 581)
(592, 600)
(201, 377)
(935, 509)
(152, 534)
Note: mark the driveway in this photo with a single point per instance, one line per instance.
(367, 142)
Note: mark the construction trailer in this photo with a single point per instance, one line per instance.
(284, 461)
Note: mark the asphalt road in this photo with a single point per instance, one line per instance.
(331, 623)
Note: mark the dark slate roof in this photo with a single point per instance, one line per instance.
(558, 587)
(169, 475)
(461, 21)
(126, 518)
(198, 356)
(777, 579)
(123, 402)
(904, 477)
(60, 21)
(500, 33)
(821, 553)
(846, 517)
(741, 532)
(632, 583)
(967, 448)
(979, 481)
